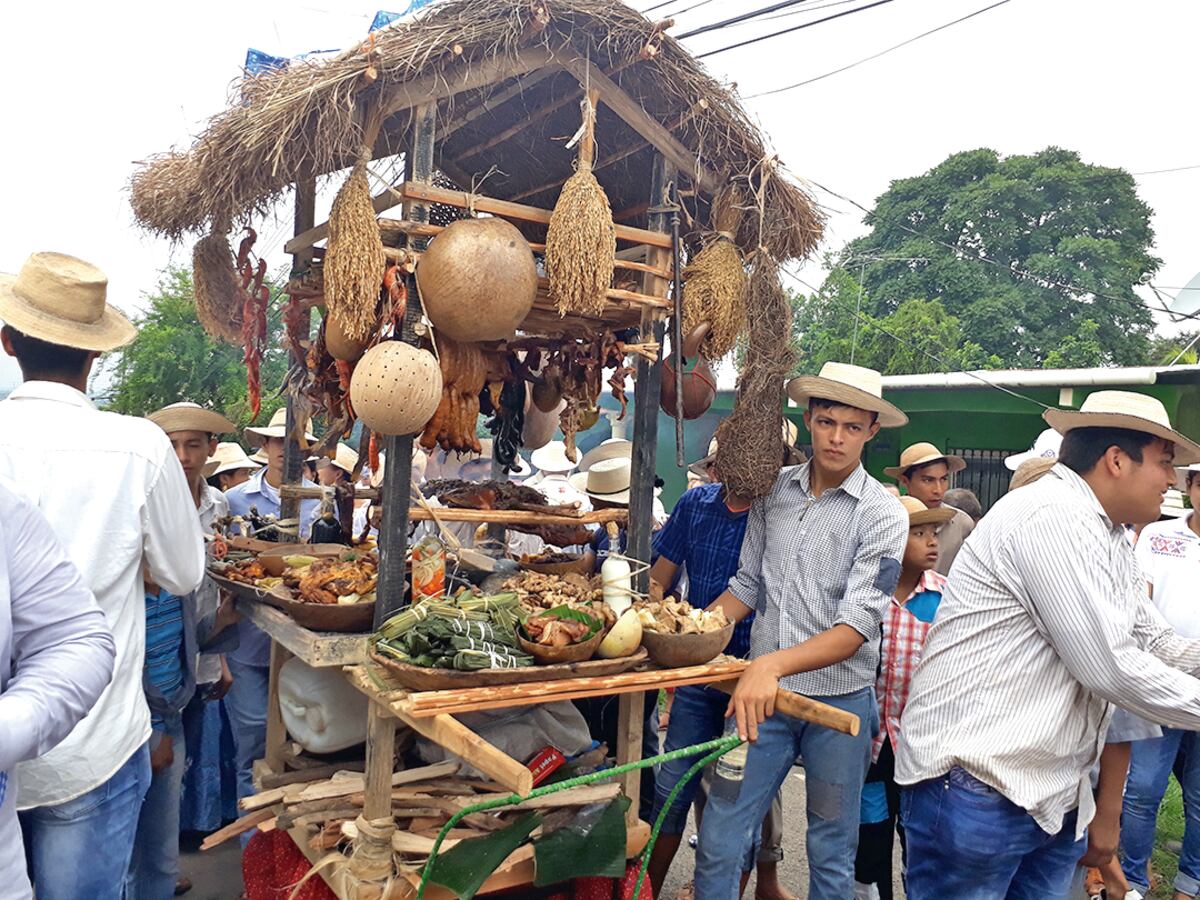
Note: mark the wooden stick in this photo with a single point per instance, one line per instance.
(309, 775)
(355, 783)
(495, 100)
(240, 826)
(800, 707)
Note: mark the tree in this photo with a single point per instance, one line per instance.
(918, 336)
(174, 359)
(1066, 242)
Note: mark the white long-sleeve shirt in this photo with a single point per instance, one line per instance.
(116, 497)
(56, 656)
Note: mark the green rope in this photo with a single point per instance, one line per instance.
(713, 749)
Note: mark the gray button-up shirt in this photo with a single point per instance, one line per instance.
(1044, 624)
(820, 562)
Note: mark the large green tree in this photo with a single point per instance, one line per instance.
(174, 359)
(1065, 242)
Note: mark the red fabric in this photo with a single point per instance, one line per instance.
(272, 864)
(611, 888)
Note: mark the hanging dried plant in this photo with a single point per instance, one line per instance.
(715, 280)
(354, 259)
(216, 289)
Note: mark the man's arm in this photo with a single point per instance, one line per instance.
(172, 543)
(63, 652)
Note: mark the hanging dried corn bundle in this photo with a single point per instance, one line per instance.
(749, 452)
(715, 280)
(581, 242)
(354, 260)
(216, 288)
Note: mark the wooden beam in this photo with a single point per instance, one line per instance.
(631, 721)
(496, 100)
(644, 124)
(468, 77)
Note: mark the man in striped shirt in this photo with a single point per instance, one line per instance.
(1043, 627)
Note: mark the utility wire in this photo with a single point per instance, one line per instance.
(866, 59)
(755, 40)
(744, 17)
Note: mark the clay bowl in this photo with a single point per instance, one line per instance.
(579, 565)
(549, 656)
(675, 651)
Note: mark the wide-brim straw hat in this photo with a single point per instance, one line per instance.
(607, 480)
(259, 456)
(188, 416)
(1172, 505)
(553, 459)
(228, 457)
(62, 300)
(850, 385)
(344, 458)
(276, 428)
(613, 448)
(1031, 470)
(1045, 447)
(1181, 475)
(920, 514)
(922, 454)
(1124, 409)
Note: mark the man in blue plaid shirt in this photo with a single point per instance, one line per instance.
(703, 537)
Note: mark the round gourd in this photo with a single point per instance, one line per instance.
(340, 345)
(396, 388)
(478, 280)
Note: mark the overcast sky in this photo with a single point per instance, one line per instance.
(91, 88)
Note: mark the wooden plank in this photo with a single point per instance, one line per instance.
(496, 100)
(237, 827)
(430, 89)
(630, 723)
(308, 775)
(381, 753)
(643, 123)
(800, 707)
(355, 782)
(276, 732)
(463, 200)
(317, 649)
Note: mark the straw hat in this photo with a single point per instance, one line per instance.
(1045, 447)
(1124, 409)
(607, 480)
(344, 458)
(919, 455)
(276, 428)
(552, 459)
(229, 457)
(613, 448)
(1031, 470)
(920, 514)
(852, 385)
(188, 416)
(1172, 505)
(61, 299)
(1182, 475)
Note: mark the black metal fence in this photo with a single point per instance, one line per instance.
(985, 475)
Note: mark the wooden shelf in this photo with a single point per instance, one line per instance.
(315, 648)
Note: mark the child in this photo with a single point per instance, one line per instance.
(905, 625)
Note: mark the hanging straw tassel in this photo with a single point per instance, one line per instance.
(215, 288)
(716, 281)
(581, 242)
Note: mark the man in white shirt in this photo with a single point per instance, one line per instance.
(1169, 554)
(1044, 627)
(115, 495)
(56, 656)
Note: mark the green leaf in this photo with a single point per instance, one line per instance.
(465, 867)
(592, 844)
(575, 615)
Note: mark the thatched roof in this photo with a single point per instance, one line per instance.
(307, 120)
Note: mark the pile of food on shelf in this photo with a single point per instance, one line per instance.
(466, 632)
(343, 580)
(538, 593)
(674, 616)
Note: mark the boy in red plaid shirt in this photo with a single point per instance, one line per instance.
(905, 624)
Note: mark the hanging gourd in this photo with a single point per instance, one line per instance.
(396, 388)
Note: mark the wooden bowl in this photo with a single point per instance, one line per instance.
(550, 656)
(675, 651)
(273, 564)
(579, 566)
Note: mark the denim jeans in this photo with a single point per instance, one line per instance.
(81, 848)
(1149, 768)
(246, 704)
(155, 865)
(968, 841)
(835, 765)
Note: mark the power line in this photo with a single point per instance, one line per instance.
(866, 59)
(755, 40)
(678, 12)
(1165, 171)
(744, 17)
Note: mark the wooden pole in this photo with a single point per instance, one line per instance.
(647, 389)
(397, 478)
(294, 456)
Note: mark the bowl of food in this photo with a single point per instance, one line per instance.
(676, 634)
(287, 556)
(560, 635)
(557, 563)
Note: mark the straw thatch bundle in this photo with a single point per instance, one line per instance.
(581, 242)
(748, 451)
(715, 281)
(216, 289)
(354, 259)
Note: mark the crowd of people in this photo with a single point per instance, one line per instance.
(1024, 679)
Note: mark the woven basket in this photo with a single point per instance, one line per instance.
(396, 388)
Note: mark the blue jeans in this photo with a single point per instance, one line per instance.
(155, 865)
(81, 848)
(968, 841)
(1149, 768)
(246, 704)
(835, 765)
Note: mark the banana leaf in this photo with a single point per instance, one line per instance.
(464, 868)
(575, 615)
(592, 844)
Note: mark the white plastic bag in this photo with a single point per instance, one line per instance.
(321, 711)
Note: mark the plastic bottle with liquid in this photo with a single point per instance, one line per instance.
(616, 575)
(428, 569)
(730, 770)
